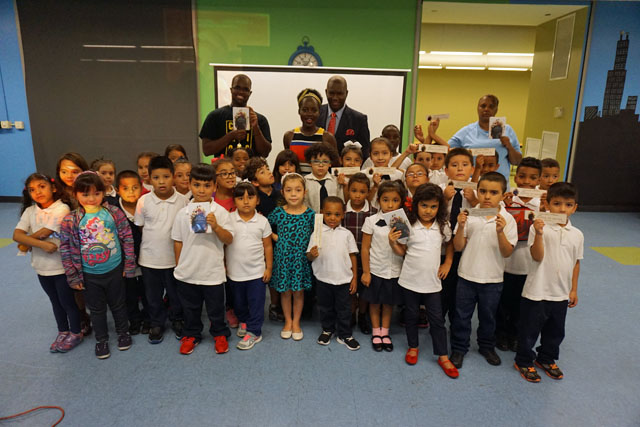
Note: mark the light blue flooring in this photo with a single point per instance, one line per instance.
(286, 383)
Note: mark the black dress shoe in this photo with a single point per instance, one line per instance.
(513, 345)
(376, 346)
(457, 359)
(502, 343)
(491, 356)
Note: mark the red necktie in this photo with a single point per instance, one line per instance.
(332, 124)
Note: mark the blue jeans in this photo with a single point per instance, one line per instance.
(248, 300)
(487, 297)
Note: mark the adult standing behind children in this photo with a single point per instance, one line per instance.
(476, 135)
(217, 133)
(345, 123)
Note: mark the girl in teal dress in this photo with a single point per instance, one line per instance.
(292, 226)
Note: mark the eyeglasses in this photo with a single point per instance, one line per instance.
(320, 162)
(226, 174)
(241, 89)
(415, 174)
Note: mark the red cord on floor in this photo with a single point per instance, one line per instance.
(10, 417)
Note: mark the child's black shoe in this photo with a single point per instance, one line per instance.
(551, 369)
(528, 373)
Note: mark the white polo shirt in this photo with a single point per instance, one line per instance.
(312, 198)
(34, 219)
(422, 260)
(550, 280)
(438, 177)
(202, 257)
(245, 255)
(404, 165)
(383, 262)
(520, 259)
(156, 216)
(333, 265)
(481, 260)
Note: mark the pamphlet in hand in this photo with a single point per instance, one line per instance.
(317, 230)
(198, 217)
(398, 219)
(497, 127)
(240, 118)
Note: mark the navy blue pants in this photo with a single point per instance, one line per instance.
(102, 290)
(433, 305)
(449, 285)
(487, 297)
(63, 302)
(156, 281)
(248, 299)
(334, 308)
(508, 314)
(192, 297)
(135, 296)
(544, 319)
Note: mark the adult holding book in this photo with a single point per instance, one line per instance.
(218, 134)
(476, 135)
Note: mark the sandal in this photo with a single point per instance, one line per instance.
(387, 346)
(377, 346)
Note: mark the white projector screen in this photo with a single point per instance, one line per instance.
(379, 94)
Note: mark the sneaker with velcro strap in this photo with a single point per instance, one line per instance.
(349, 342)
(325, 338)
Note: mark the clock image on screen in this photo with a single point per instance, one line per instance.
(305, 55)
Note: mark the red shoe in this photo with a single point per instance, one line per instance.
(222, 346)
(188, 344)
(232, 319)
(412, 356)
(451, 372)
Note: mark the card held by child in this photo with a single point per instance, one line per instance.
(240, 118)
(496, 127)
(381, 170)
(398, 219)
(348, 171)
(433, 148)
(463, 184)
(316, 237)
(437, 116)
(198, 216)
(483, 152)
(482, 211)
(549, 217)
(528, 192)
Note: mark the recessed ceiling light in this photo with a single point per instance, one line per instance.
(440, 52)
(464, 68)
(422, 52)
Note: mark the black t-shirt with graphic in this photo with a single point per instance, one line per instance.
(219, 122)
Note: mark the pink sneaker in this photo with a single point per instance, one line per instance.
(232, 320)
(70, 342)
(59, 340)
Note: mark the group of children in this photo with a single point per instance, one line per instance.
(127, 241)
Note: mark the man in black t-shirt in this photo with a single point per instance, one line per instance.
(217, 133)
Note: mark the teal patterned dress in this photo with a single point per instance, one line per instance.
(291, 268)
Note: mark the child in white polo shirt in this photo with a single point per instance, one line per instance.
(551, 286)
(155, 213)
(320, 183)
(199, 250)
(486, 241)
(335, 267)
(249, 263)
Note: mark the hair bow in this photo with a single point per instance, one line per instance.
(353, 144)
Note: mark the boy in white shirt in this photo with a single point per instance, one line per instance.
(155, 213)
(551, 286)
(486, 242)
(249, 263)
(517, 265)
(335, 268)
(199, 255)
(320, 183)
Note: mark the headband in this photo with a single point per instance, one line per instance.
(291, 173)
(307, 93)
(352, 144)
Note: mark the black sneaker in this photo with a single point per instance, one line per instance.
(528, 373)
(324, 338)
(146, 325)
(350, 343)
(502, 343)
(102, 350)
(457, 359)
(551, 369)
(363, 322)
(156, 335)
(178, 327)
(124, 341)
(135, 327)
(491, 356)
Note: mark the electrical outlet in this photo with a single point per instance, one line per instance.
(5, 124)
(19, 125)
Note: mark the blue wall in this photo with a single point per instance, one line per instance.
(16, 147)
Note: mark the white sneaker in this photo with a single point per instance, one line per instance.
(242, 330)
(248, 341)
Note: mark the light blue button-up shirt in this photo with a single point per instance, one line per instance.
(473, 136)
(338, 116)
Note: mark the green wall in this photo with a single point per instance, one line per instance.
(363, 34)
(545, 94)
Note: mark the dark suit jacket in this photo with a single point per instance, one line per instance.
(353, 126)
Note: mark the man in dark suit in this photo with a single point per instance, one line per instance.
(343, 122)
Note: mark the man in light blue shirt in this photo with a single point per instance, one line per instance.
(476, 135)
